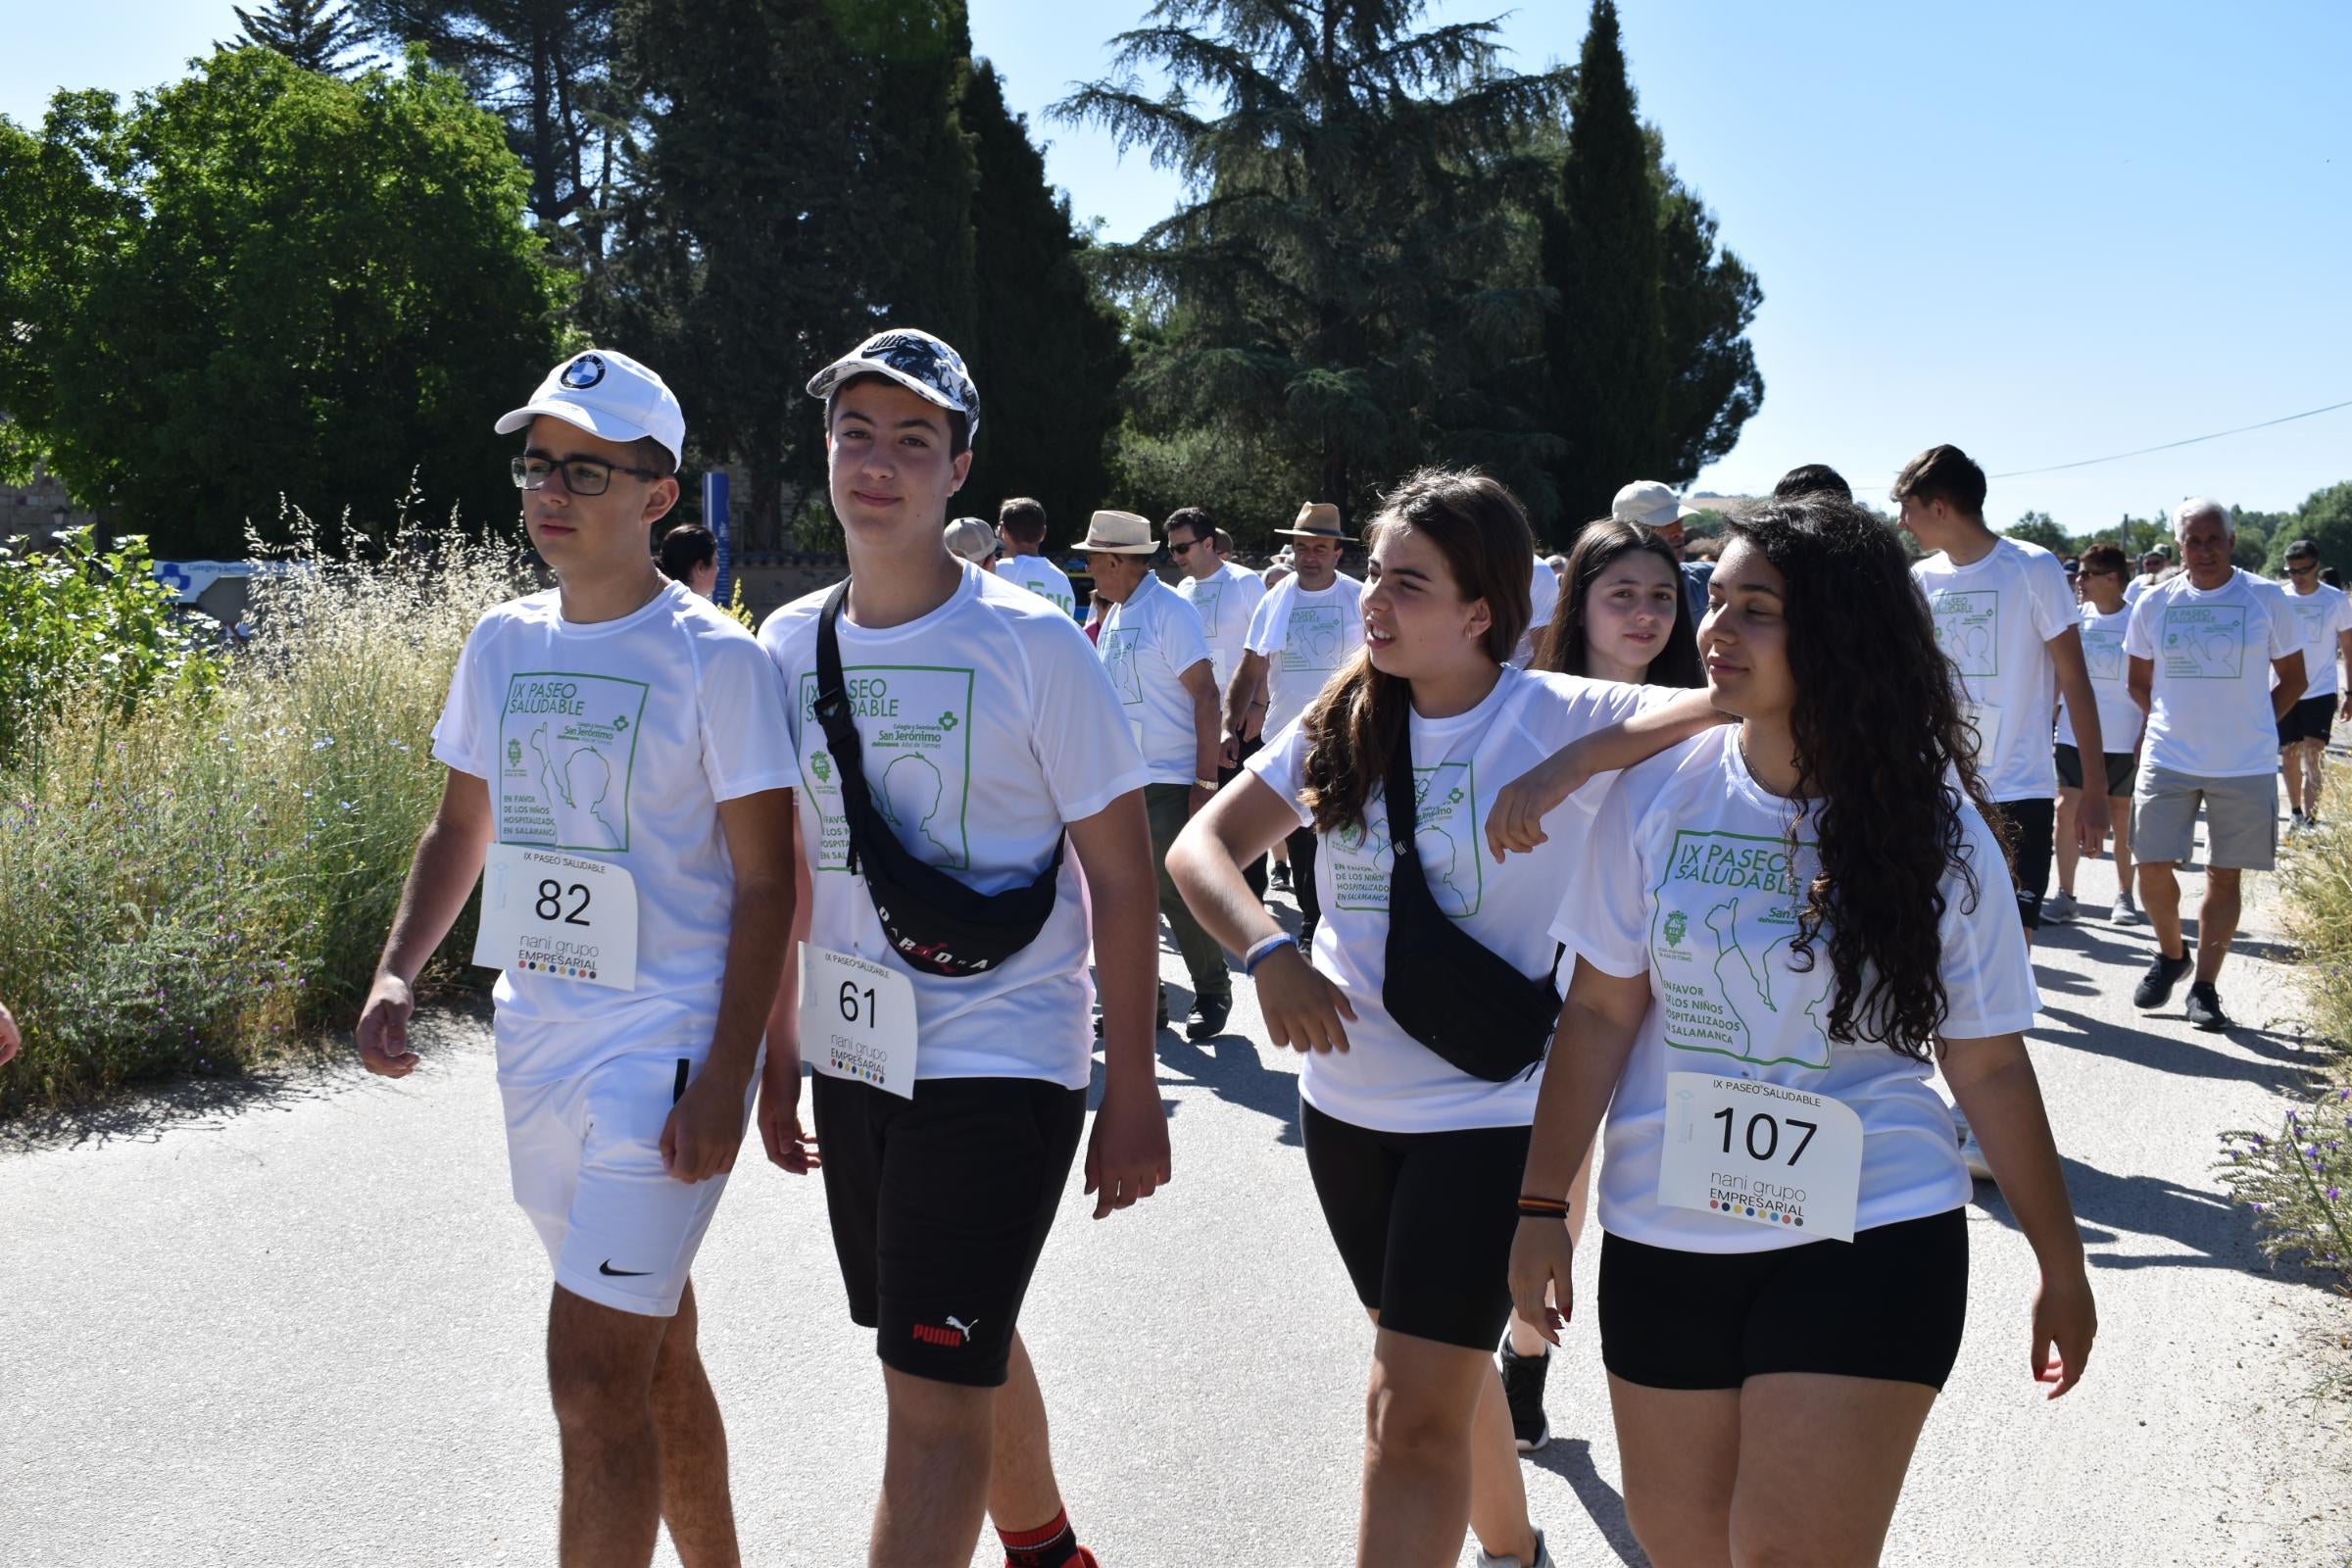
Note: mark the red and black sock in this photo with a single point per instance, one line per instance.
(1051, 1545)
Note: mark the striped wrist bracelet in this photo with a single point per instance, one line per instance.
(1260, 952)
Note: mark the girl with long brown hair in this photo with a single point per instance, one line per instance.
(1428, 999)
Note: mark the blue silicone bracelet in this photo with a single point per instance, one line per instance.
(1264, 949)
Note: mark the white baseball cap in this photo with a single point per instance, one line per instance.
(606, 394)
(1650, 504)
(973, 540)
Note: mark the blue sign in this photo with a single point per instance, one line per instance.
(714, 518)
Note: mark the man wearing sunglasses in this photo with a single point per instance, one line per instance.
(2324, 617)
(1224, 596)
(620, 778)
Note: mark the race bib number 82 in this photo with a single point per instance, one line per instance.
(559, 915)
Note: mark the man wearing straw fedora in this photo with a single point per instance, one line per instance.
(1157, 657)
(1302, 633)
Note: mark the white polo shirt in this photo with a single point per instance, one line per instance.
(2210, 713)
(1305, 638)
(985, 727)
(1224, 601)
(1688, 879)
(619, 739)
(1146, 645)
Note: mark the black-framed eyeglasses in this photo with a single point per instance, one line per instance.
(582, 476)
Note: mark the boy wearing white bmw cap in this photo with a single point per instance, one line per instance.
(954, 733)
(620, 780)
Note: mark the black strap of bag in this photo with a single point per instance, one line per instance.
(1444, 987)
(935, 923)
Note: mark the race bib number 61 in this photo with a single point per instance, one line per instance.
(857, 1020)
(1761, 1153)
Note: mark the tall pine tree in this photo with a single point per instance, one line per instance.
(1047, 353)
(1331, 287)
(316, 34)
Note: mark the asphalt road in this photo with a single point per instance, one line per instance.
(298, 1321)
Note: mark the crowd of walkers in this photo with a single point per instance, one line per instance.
(1701, 859)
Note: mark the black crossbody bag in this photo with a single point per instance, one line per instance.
(933, 923)
(1444, 987)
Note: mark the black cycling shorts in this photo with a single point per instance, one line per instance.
(1890, 1303)
(1424, 1222)
(2034, 835)
(2312, 718)
(2119, 772)
(940, 1206)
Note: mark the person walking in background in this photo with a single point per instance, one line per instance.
(1655, 507)
(2216, 663)
(1159, 662)
(2323, 619)
(1622, 615)
(2104, 618)
(1303, 632)
(1021, 527)
(1812, 479)
(1225, 596)
(970, 539)
(690, 555)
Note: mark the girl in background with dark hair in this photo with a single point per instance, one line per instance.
(689, 554)
(1622, 617)
(1415, 1159)
(1781, 930)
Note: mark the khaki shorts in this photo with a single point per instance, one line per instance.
(2241, 819)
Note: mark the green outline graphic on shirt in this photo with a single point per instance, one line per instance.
(1719, 946)
(1968, 628)
(2314, 612)
(1118, 649)
(914, 733)
(1321, 631)
(1049, 589)
(2204, 642)
(2103, 653)
(1208, 600)
(568, 750)
(1445, 834)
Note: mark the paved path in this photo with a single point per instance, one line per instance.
(298, 1322)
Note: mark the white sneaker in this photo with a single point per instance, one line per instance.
(1486, 1559)
(1972, 1153)
(2294, 826)
(2059, 907)
(2125, 912)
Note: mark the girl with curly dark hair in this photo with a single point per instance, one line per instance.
(1429, 998)
(1622, 615)
(1781, 930)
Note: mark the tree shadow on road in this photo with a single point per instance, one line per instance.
(319, 1069)
(1571, 1460)
(2204, 1222)
(2282, 1066)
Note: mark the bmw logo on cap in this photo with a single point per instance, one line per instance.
(584, 372)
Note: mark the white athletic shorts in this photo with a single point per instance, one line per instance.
(586, 1157)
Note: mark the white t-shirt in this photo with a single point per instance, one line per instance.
(2322, 616)
(1306, 638)
(1688, 879)
(1385, 1080)
(617, 739)
(2120, 717)
(1146, 645)
(1543, 596)
(1994, 619)
(1223, 601)
(1041, 576)
(985, 727)
(2210, 711)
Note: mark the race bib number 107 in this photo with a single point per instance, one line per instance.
(557, 915)
(1761, 1153)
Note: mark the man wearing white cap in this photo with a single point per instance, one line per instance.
(1303, 632)
(620, 778)
(1658, 509)
(1157, 657)
(970, 539)
(955, 734)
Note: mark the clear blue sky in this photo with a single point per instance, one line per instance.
(2044, 232)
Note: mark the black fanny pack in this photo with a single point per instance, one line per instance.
(1444, 987)
(933, 923)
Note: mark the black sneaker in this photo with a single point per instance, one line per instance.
(1523, 1391)
(1306, 938)
(1208, 1017)
(2155, 986)
(1278, 880)
(2205, 1006)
